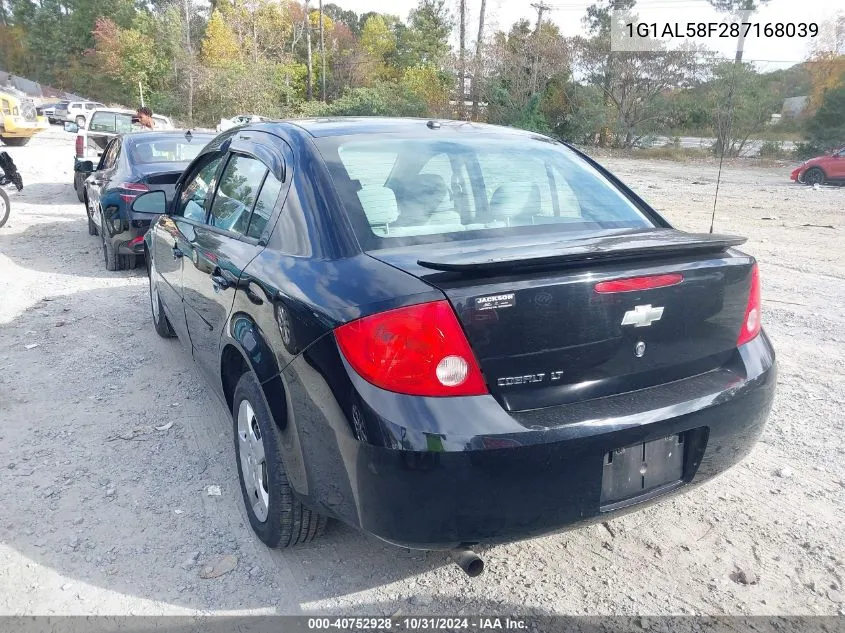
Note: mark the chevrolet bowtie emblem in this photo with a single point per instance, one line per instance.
(642, 316)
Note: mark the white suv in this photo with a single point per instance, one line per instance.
(102, 126)
(77, 111)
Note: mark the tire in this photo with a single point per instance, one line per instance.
(277, 517)
(79, 186)
(5, 208)
(80, 121)
(814, 176)
(16, 141)
(160, 322)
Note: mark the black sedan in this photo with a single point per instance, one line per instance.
(132, 164)
(446, 334)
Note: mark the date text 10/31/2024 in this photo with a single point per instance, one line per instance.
(418, 624)
(693, 30)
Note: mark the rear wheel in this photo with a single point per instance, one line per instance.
(4, 207)
(15, 141)
(275, 514)
(814, 176)
(162, 325)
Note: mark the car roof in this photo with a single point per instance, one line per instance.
(342, 126)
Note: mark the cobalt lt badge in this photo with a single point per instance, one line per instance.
(639, 349)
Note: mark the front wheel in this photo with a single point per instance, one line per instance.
(15, 141)
(5, 208)
(814, 176)
(277, 517)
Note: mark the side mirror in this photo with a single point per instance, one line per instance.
(150, 203)
(72, 127)
(85, 166)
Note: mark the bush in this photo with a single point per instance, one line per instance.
(773, 149)
(803, 151)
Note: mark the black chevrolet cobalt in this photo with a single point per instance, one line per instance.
(446, 334)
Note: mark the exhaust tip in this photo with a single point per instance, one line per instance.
(469, 561)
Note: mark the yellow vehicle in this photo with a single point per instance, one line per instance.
(19, 120)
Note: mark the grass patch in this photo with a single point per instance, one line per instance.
(671, 152)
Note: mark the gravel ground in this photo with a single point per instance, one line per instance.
(103, 513)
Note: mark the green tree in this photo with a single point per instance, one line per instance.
(826, 128)
(426, 39)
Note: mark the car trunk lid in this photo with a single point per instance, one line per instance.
(546, 333)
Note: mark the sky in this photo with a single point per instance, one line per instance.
(768, 54)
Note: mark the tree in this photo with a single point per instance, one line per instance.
(826, 128)
(826, 64)
(477, 63)
(462, 66)
(741, 106)
(737, 6)
(426, 40)
(377, 42)
(598, 24)
(220, 46)
(310, 76)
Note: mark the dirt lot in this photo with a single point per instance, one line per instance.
(101, 513)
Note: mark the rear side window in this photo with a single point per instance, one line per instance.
(421, 189)
(264, 206)
(237, 193)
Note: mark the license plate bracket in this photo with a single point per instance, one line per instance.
(642, 468)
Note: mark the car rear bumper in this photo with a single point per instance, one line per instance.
(436, 473)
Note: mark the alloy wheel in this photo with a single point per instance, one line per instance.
(253, 461)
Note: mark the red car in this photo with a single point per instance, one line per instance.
(821, 169)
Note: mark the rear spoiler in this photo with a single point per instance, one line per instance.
(655, 244)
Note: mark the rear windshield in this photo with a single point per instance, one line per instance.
(413, 190)
(166, 150)
(118, 122)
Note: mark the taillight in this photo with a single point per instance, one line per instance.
(419, 350)
(80, 147)
(133, 189)
(639, 283)
(751, 322)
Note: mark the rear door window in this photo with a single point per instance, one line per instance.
(237, 193)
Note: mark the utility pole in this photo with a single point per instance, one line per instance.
(322, 54)
(462, 70)
(541, 8)
(476, 74)
(310, 84)
(190, 51)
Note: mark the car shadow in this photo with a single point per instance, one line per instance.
(116, 438)
(57, 246)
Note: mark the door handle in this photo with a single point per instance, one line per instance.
(176, 252)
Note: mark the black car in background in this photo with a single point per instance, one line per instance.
(446, 333)
(131, 164)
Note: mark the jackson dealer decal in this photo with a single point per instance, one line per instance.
(491, 302)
